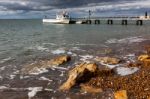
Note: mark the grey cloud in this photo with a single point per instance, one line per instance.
(42, 5)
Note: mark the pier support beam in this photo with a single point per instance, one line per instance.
(88, 21)
(124, 22)
(139, 22)
(97, 21)
(110, 22)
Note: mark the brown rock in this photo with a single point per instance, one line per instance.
(145, 59)
(90, 89)
(80, 73)
(59, 60)
(44, 64)
(108, 60)
(122, 94)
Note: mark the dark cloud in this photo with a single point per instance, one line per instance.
(40, 5)
(31, 8)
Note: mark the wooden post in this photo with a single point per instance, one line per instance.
(139, 22)
(124, 22)
(97, 21)
(110, 22)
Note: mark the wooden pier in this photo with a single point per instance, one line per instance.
(113, 20)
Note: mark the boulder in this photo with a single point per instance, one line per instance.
(145, 59)
(122, 94)
(59, 60)
(90, 89)
(44, 64)
(81, 73)
(108, 60)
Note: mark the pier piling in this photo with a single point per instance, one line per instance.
(88, 21)
(110, 22)
(139, 22)
(124, 22)
(97, 21)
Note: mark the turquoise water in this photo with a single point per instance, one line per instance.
(24, 41)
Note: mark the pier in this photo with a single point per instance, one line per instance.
(121, 20)
(113, 21)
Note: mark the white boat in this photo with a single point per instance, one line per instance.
(63, 18)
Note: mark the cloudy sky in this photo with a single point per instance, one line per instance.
(40, 8)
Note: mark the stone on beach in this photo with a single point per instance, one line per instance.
(59, 60)
(79, 74)
(90, 89)
(44, 64)
(108, 60)
(145, 59)
(122, 94)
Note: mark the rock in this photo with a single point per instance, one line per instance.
(122, 94)
(59, 60)
(90, 89)
(145, 59)
(79, 74)
(40, 66)
(108, 60)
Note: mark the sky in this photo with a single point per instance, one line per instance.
(20, 9)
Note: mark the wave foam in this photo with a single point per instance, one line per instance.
(58, 51)
(5, 60)
(126, 40)
(33, 91)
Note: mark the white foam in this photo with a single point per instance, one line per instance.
(3, 87)
(130, 57)
(123, 71)
(40, 48)
(12, 76)
(33, 91)
(58, 51)
(82, 44)
(76, 49)
(70, 53)
(47, 89)
(16, 72)
(58, 67)
(62, 74)
(44, 78)
(126, 40)
(23, 77)
(53, 44)
(5, 60)
(1, 77)
(37, 71)
(86, 57)
(2, 68)
(110, 66)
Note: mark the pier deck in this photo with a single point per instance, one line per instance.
(113, 20)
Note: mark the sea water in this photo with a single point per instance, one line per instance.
(28, 41)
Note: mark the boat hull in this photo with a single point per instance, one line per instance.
(56, 21)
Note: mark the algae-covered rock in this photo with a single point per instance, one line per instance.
(40, 66)
(59, 60)
(90, 89)
(122, 94)
(145, 59)
(108, 60)
(80, 73)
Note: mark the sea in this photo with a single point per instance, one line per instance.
(26, 41)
